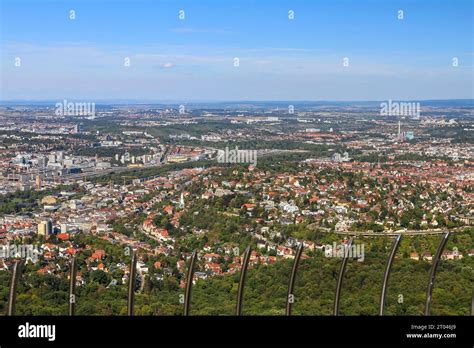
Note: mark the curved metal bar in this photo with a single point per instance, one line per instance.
(132, 284)
(388, 268)
(434, 268)
(291, 284)
(341, 276)
(189, 283)
(17, 268)
(472, 303)
(243, 272)
(72, 287)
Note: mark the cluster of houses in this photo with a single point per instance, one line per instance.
(271, 200)
(446, 255)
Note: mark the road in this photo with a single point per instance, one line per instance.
(406, 233)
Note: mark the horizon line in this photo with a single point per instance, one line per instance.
(218, 101)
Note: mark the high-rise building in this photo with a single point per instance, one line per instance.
(45, 228)
(41, 229)
(38, 182)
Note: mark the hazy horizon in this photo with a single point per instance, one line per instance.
(277, 103)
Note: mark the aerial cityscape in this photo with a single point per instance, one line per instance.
(161, 182)
(222, 159)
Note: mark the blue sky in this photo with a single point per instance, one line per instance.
(279, 58)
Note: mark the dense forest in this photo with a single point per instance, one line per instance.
(266, 286)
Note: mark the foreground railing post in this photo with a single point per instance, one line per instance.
(388, 268)
(434, 268)
(189, 283)
(72, 287)
(17, 267)
(131, 284)
(340, 277)
(290, 296)
(472, 303)
(243, 272)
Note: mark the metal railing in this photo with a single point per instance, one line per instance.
(337, 295)
(131, 284)
(290, 298)
(434, 268)
(243, 272)
(72, 287)
(472, 303)
(18, 267)
(189, 283)
(386, 275)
